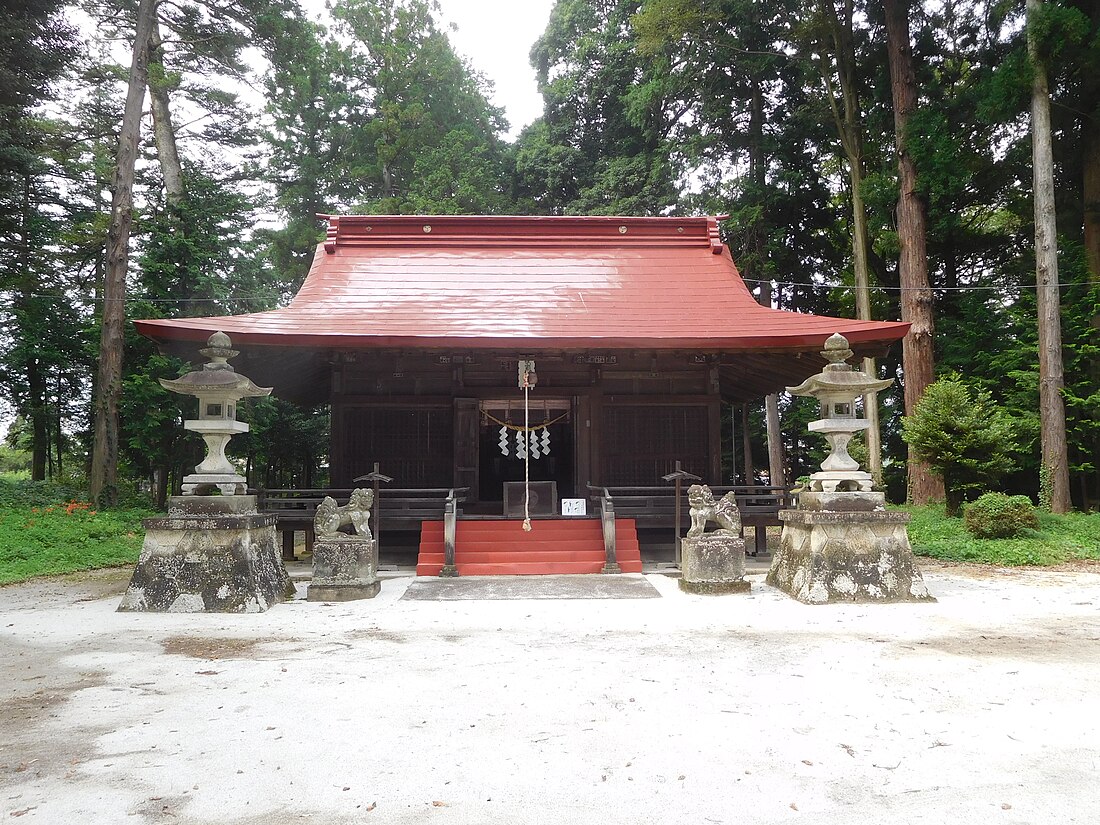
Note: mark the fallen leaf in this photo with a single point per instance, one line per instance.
(681, 777)
(206, 673)
(438, 804)
(806, 762)
(794, 807)
(1005, 806)
(372, 806)
(24, 811)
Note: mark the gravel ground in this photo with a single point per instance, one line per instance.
(681, 709)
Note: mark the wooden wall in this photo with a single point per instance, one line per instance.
(418, 415)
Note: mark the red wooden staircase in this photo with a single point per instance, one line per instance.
(502, 548)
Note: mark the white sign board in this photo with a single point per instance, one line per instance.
(574, 507)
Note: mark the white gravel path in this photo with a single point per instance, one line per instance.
(982, 708)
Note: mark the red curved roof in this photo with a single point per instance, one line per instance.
(528, 283)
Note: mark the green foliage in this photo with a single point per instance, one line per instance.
(997, 516)
(49, 528)
(651, 107)
(1060, 538)
(14, 460)
(964, 437)
(379, 115)
(62, 538)
(600, 147)
(287, 445)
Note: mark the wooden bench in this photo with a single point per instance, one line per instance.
(396, 508)
(656, 506)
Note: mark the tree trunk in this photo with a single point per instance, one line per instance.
(59, 438)
(103, 479)
(40, 422)
(916, 296)
(953, 498)
(848, 117)
(163, 131)
(161, 479)
(776, 474)
(1091, 192)
(1054, 470)
(860, 243)
(1090, 141)
(35, 408)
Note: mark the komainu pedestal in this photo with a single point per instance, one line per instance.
(850, 553)
(210, 554)
(345, 568)
(713, 563)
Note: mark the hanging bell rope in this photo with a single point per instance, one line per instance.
(526, 462)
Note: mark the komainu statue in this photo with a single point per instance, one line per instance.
(704, 508)
(356, 513)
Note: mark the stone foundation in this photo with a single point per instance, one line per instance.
(827, 556)
(713, 563)
(344, 569)
(211, 554)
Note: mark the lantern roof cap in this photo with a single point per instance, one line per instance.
(839, 377)
(217, 376)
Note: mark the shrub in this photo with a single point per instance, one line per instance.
(965, 438)
(997, 516)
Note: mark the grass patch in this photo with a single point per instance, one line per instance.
(1058, 539)
(44, 531)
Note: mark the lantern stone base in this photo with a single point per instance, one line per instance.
(197, 485)
(713, 563)
(852, 556)
(211, 554)
(344, 569)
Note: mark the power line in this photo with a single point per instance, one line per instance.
(852, 287)
(848, 287)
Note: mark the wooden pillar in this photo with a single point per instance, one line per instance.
(746, 444)
(714, 442)
(582, 445)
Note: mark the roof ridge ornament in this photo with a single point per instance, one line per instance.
(332, 233)
(522, 231)
(716, 245)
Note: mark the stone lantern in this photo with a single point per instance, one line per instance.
(211, 553)
(218, 389)
(836, 388)
(841, 544)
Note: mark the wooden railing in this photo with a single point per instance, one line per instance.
(450, 528)
(607, 522)
(396, 508)
(656, 506)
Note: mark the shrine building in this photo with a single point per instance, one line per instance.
(413, 329)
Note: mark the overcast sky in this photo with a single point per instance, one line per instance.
(496, 37)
